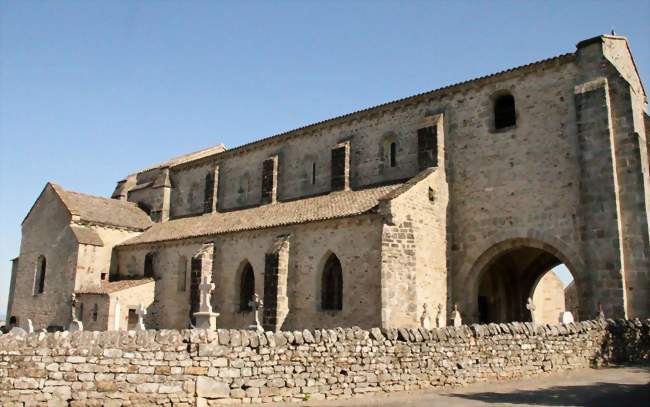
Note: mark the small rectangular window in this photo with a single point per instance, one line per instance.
(393, 154)
(267, 180)
(208, 193)
(427, 147)
(338, 168)
(313, 173)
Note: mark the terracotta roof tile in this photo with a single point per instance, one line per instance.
(333, 205)
(115, 286)
(103, 210)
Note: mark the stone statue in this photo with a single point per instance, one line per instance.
(205, 318)
(441, 320)
(456, 316)
(256, 304)
(141, 311)
(531, 307)
(425, 320)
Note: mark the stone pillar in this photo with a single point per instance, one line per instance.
(212, 200)
(162, 183)
(276, 271)
(12, 286)
(600, 229)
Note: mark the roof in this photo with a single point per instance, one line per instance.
(86, 235)
(188, 157)
(115, 286)
(417, 98)
(331, 206)
(104, 211)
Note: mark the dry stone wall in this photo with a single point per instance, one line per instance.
(197, 367)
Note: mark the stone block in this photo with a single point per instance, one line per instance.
(210, 388)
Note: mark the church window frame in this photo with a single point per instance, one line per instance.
(39, 275)
(149, 269)
(332, 284)
(504, 111)
(246, 287)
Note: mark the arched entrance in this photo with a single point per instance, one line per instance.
(513, 271)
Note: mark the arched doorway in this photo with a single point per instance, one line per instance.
(517, 270)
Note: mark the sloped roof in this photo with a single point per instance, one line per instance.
(86, 235)
(115, 286)
(105, 211)
(331, 206)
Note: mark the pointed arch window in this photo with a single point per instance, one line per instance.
(332, 284)
(39, 275)
(246, 288)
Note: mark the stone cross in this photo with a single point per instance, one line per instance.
(531, 307)
(141, 311)
(425, 321)
(256, 304)
(206, 293)
(601, 313)
(441, 321)
(456, 315)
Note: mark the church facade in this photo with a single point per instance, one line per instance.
(463, 195)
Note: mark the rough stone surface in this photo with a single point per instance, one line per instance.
(181, 367)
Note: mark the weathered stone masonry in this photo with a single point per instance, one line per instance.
(206, 367)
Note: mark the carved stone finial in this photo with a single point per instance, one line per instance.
(441, 320)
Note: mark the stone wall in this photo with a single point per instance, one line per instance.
(208, 367)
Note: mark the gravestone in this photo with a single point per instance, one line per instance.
(75, 325)
(458, 321)
(205, 318)
(29, 326)
(425, 320)
(141, 311)
(441, 320)
(566, 317)
(256, 304)
(531, 307)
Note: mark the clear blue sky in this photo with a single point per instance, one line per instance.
(91, 91)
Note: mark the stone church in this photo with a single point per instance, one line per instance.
(466, 195)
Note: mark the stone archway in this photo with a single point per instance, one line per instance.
(497, 284)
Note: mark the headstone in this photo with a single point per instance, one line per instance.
(73, 306)
(601, 312)
(205, 318)
(29, 326)
(566, 317)
(75, 325)
(441, 320)
(141, 311)
(531, 307)
(458, 321)
(425, 320)
(117, 315)
(256, 304)
(18, 331)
